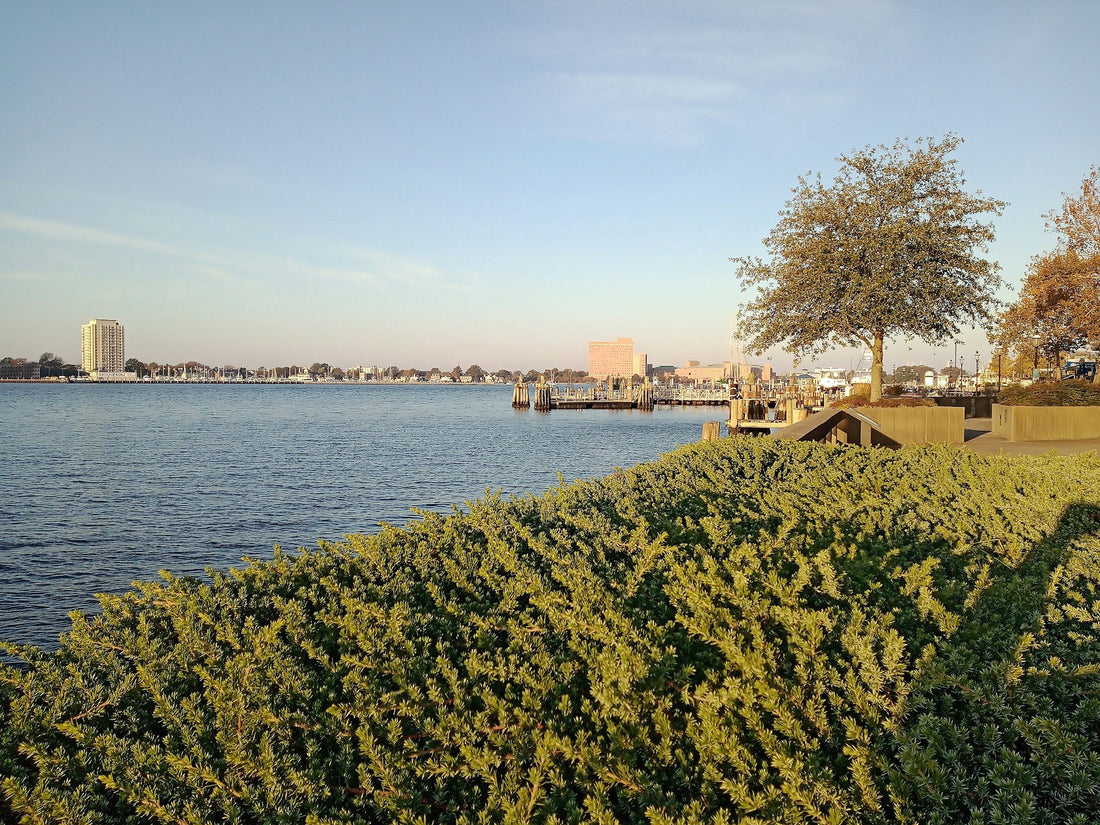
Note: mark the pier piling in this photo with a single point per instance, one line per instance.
(542, 394)
(521, 396)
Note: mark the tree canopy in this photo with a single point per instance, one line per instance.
(911, 373)
(1078, 222)
(1058, 304)
(1058, 307)
(889, 249)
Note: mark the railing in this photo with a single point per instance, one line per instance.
(689, 395)
(569, 394)
(566, 393)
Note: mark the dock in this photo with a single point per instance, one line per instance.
(752, 407)
(570, 398)
(546, 396)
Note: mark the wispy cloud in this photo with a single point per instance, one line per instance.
(410, 271)
(308, 271)
(365, 267)
(677, 71)
(57, 231)
(674, 108)
(22, 276)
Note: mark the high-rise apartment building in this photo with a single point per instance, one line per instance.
(102, 347)
(611, 359)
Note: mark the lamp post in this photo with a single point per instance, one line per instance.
(1035, 367)
(998, 371)
(955, 363)
(977, 361)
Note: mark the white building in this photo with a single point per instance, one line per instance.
(103, 348)
(832, 379)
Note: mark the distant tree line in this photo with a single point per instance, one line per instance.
(50, 366)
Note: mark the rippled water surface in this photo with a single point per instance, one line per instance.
(102, 485)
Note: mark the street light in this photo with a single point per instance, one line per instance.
(955, 364)
(977, 359)
(1035, 370)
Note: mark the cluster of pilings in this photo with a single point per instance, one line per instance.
(542, 395)
(778, 396)
(521, 397)
(785, 409)
(645, 396)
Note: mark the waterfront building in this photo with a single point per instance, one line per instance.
(611, 359)
(744, 371)
(19, 369)
(694, 371)
(103, 348)
(641, 365)
(831, 378)
(937, 381)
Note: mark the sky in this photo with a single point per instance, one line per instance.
(431, 184)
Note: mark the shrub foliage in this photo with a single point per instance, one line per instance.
(1076, 393)
(743, 631)
(894, 401)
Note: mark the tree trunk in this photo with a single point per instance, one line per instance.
(876, 366)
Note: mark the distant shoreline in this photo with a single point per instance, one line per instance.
(253, 382)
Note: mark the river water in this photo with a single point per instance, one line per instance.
(102, 485)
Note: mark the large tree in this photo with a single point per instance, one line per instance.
(135, 366)
(1078, 222)
(50, 364)
(889, 249)
(911, 374)
(1058, 307)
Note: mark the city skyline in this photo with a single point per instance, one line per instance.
(489, 184)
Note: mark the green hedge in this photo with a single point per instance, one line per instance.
(745, 631)
(1075, 393)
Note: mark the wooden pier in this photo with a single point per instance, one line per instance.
(639, 397)
(754, 408)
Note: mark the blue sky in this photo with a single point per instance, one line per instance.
(430, 184)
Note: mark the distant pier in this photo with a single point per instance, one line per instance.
(547, 396)
(752, 408)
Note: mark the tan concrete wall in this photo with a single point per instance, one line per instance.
(1046, 423)
(919, 425)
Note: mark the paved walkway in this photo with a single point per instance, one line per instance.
(980, 439)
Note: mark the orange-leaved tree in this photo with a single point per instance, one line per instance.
(1058, 308)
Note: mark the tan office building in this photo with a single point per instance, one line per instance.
(103, 347)
(694, 371)
(611, 359)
